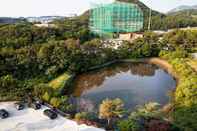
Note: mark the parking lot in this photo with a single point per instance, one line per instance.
(34, 120)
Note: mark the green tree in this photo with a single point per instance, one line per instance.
(8, 83)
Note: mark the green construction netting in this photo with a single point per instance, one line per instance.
(117, 17)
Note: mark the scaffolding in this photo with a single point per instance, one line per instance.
(117, 17)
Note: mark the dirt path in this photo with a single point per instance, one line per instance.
(163, 64)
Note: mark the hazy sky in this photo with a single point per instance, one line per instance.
(17, 8)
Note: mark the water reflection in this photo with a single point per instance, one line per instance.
(134, 83)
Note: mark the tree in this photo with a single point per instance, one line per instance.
(7, 83)
(151, 37)
(185, 39)
(110, 109)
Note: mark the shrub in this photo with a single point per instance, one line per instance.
(179, 53)
(39, 90)
(185, 117)
(66, 106)
(148, 118)
(8, 83)
(55, 102)
(84, 116)
(185, 98)
(158, 125)
(185, 39)
(147, 111)
(128, 125)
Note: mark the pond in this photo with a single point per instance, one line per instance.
(134, 83)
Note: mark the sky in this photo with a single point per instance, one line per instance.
(25, 8)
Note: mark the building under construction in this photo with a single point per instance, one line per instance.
(116, 18)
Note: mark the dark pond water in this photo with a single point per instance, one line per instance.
(134, 83)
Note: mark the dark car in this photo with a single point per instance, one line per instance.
(35, 106)
(19, 106)
(3, 114)
(50, 113)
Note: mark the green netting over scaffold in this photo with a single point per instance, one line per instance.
(117, 17)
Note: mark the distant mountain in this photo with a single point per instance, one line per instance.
(9, 20)
(184, 11)
(41, 19)
(182, 8)
(188, 12)
(141, 5)
(44, 19)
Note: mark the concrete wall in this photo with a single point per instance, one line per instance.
(130, 36)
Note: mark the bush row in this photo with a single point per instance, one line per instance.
(185, 97)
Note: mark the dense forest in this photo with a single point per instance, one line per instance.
(8, 20)
(191, 12)
(166, 22)
(31, 57)
(28, 53)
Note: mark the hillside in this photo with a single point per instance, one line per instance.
(183, 8)
(188, 12)
(145, 9)
(8, 20)
(179, 19)
(46, 19)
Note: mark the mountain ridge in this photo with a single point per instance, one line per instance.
(182, 8)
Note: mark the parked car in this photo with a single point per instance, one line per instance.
(35, 106)
(3, 114)
(50, 113)
(19, 105)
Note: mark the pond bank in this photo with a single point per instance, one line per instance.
(163, 64)
(126, 79)
(157, 61)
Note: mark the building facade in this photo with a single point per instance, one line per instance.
(116, 18)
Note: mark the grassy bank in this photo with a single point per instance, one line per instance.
(184, 113)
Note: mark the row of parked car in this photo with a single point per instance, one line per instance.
(35, 105)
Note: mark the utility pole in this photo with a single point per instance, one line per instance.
(149, 21)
